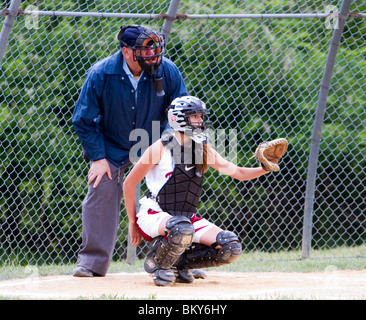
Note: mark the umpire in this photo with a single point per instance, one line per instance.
(126, 91)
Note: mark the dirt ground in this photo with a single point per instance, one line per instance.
(339, 285)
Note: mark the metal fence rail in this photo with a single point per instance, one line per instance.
(260, 75)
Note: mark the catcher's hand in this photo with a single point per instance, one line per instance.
(269, 153)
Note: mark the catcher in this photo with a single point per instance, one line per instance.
(174, 167)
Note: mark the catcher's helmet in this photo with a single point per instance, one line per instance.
(178, 117)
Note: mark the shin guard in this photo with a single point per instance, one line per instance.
(202, 256)
(165, 251)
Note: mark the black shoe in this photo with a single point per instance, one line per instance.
(183, 276)
(163, 277)
(84, 272)
(198, 273)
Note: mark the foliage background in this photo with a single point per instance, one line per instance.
(259, 77)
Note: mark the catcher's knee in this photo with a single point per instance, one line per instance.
(180, 231)
(164, 252)
(230, 247)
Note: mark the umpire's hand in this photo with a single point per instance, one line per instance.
(97, 170)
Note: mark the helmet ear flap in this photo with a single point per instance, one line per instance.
(176, 120)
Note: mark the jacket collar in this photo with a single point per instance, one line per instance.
(115, 64)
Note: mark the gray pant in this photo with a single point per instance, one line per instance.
(100, 219)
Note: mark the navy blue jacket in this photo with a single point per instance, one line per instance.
(107, 112)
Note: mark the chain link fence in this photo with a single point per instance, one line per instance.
(260, 78)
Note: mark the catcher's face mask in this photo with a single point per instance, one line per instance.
(148, 51)
(188, 115)
(197, 120)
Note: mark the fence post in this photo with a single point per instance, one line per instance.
(171, 14)
(8, 25)
(318, 123)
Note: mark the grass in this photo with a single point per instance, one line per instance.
(114, 297)
(248, 262)
(309, 265)
(323, 261)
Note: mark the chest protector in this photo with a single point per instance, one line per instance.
(181, 193)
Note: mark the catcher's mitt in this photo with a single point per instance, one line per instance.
(269, 153)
